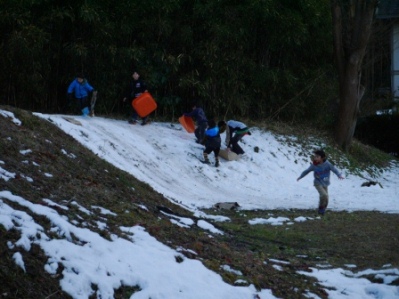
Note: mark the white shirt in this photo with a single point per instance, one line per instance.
(236, 124)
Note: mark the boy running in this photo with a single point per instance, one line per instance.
(321, 169)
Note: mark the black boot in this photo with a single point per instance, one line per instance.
(217, 162)
(206, 159)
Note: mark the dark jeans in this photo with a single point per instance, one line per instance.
(235, 146)
(210, 149)
(135, 116)
(200, 131)
(82, 103)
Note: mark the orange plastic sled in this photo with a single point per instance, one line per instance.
(144, 104)
(187, 123)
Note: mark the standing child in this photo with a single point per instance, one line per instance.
(212, 141)
(136, 87)
(322, 169)
(81, 89)
(201, 120)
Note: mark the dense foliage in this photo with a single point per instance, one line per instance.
(249, 58)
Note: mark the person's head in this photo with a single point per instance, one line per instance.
(319, 156)
(135, 75)
(80, 77)
(196, 104)
(222, 126)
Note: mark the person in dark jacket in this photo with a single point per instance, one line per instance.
(81, 90)
(202, 123)
(136, 87)
(212, 140)
(321, 169)
(239, 130)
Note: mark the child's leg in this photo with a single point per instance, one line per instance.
(216, 152)
(206, 152)
(235, 147)
(84, 105)
(228, 136)
(135, 116)
(323, 196)
(201, 131)
(144, 120)
(80, 104)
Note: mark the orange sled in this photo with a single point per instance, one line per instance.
(187, 123)
(144, 104)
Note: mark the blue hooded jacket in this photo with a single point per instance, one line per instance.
(321, 173)
(81, 90)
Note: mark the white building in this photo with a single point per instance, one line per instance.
(389, 10)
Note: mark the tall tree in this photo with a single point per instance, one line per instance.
(352, 24)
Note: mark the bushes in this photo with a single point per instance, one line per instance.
(231, 56)
(381, 131)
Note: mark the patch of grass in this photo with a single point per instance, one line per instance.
(331, 238)
(365, 239)
(80, 178)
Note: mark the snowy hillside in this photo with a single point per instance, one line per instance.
(167, 158)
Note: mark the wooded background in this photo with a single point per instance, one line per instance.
(253, 59)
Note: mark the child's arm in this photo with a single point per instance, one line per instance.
(337, 173)
(88, 87)
(305, 172)
(193, 113)
(72, 86)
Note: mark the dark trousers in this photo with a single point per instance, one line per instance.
(83, 103)
(210, 149)
(200, 131)
(135, 116)
(234, 144)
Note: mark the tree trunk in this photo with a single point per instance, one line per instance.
(351, 31)
(351, 93)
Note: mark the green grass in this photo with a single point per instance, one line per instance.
(365, 239)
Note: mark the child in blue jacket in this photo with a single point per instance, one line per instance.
(212, 140)
(80, 89)
(321, 169)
